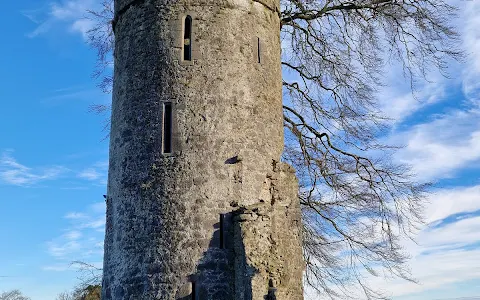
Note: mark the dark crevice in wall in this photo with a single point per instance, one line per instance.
(124, 10)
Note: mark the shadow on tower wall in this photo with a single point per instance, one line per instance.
(223, 272)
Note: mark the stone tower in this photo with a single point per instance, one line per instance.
(199, 206)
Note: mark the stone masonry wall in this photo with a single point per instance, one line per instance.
(268, 255)
(163, 209)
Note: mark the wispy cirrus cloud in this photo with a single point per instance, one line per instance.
(75, 216)
(397, 101)
(12, 172)
(452, 201)
(69, 15)
(447, 142)
(440, 148)
(82, 239)
(74, 93)
(15, 173)
(57, 267)
(90, 174)
(435, 271)
(95, 173)
(61, 249)
(445, 252)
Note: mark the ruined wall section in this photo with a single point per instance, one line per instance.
(268, 250)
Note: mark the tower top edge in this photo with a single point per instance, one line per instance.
(121, 6)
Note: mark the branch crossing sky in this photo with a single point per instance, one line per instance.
(54, 156)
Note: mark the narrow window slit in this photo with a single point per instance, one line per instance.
(194, 290)
(167, 127)
(258, 50)
(222, 231)
(187, 39)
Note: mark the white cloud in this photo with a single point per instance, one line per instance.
(94, 224)
(98, 207)
(97, 172)
(446, 202)
(61, 267)
(70, 14)
(454, 235)
(439, 260)
(73, 235)
(440, 257)
(447, 251)
(439, 148)
(83, 26)
(75, 215)
(61, 249)
(397, 101)
(436, 271)
(83, 238)
(41, 29)
(12, 172)
(90, 174)
(68, 10)
(66, 95)
(57, 268)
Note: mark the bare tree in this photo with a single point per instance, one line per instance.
(91, 292)
(13, 295)
(357, 203)
(101, 38)
(90, 275)
(64, 296)
(89, 286)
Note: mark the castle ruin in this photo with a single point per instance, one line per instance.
(199, 205)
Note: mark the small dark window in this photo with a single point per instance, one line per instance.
(222, 231)
(187, 39)
(258, 50)
(194, 290)
(167, 127)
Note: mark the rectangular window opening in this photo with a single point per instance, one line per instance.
(167, 128)
(194, 290)
(187, 39)
(222, 231)
(258, 50)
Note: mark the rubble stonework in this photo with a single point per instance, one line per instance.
(218, 217)
(268, 255)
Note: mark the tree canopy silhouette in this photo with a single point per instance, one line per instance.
(13, 295)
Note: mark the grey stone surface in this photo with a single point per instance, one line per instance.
(163, 210)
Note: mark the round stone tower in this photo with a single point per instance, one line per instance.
(199, 206)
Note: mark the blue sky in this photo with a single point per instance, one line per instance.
(53, 156)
